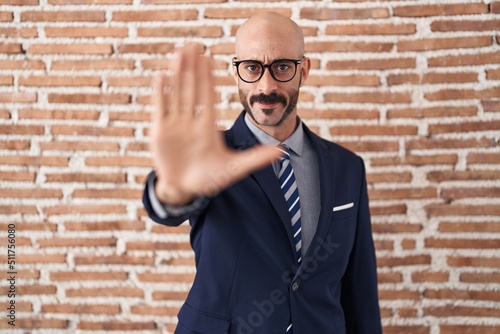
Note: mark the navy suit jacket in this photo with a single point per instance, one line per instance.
(247, 279)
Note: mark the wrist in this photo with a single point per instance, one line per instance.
(169, 195)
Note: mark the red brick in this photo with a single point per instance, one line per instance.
(340, 46)
(431, 112)
(38, 258)
(105, 226)
(390, 277)
(483, 158)
(231, 13)
(163, 278)
(144, 309)
(491, 105)
(343, 80)
(468, 329)
(105, 292)
(461, 311)
(19, 32)
(22, 64)
(369, 130)
(59, 80)
(482, 262)
(22, 129)
(417, 160)
(469, 227)
(63, 16)
(90, 2)
(84, 209)
(108, 193)
(129, 81)
(430, 276)
(480, 277)
(31, 193)
(466, 25)
(462, 210)
(80, 146)
(58, 114)
(370, 146)
(83, 130)
(468, 192)
(398, 295)
(395, 227)
(403, 261)
(443, 43)
(77, 242)
(147, 48)
(462, 94)
(371, 64)
(114, 260)
(147, 245)
(431, 78)
(462, 243)
(478, 58)
(343, 13)
(493, 74)
(371, 29)
(38, 323)
(17, 145)
(11, 48)
(18, 97)
(439, 176)
(119, 161)
(18, 176)
(98, 64)
(389, 177)
(81, 308)
(87, 49)
(89, 98)
(204, 31)
(169, 295)
(431, 144)
(462, 294)
(406, 329)
(117, 326)
(6, 16)
(333, 113)
(155, 15)
(25, 160)
(465, 127)
(440, 10)
(82, 32)
(88, 276)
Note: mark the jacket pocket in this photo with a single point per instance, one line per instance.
(201, 322)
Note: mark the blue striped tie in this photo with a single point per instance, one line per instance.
(288, 185)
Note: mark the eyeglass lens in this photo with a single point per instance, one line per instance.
(281, 70)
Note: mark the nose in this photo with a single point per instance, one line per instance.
(267, 84)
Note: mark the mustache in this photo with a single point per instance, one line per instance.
(271, 98)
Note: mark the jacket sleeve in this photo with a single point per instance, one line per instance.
(171, 215)
(359, 285)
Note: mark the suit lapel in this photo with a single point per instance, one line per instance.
(266, 178)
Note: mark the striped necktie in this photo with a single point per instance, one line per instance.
(288, 185)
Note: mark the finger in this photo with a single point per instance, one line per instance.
(175, 82)
(205, 90)
(158, 98)
(188, 81)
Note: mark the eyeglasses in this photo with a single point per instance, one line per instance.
(282, 70)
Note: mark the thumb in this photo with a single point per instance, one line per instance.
(256, 158)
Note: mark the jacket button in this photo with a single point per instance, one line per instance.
(295, 286)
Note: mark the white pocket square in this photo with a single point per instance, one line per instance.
(343, 207)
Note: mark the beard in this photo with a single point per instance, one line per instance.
(289, 102)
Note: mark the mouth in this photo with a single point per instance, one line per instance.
(267, 105)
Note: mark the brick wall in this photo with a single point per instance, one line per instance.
(412, 86)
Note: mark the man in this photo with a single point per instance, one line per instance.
(281, 231)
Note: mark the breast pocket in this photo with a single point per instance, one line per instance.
(193, 321)
(343, 210)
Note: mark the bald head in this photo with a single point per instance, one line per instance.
(269, 35)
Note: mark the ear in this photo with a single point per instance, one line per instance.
(235, 72)
(304, 70)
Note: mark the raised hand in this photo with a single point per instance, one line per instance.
(189, 153)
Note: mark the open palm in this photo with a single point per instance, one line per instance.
(189, 153)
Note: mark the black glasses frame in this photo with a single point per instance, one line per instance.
(268, 66)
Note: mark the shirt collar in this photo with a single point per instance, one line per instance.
(295, 142)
